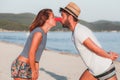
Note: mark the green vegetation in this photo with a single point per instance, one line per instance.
(106, 26)
(102, 25)
(17, 22)
(9, 25)
(21, 22)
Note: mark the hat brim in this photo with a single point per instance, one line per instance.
(68, 12)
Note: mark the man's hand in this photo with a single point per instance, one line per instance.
(113, 55)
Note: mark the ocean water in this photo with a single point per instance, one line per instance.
(62, 41)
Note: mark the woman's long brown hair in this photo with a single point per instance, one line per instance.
(40, 19)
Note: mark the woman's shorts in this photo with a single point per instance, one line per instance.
(110, 72)
(20, 69)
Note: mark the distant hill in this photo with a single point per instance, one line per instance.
(23, 18)
(21, 22)
(10, 21)
(103, 25)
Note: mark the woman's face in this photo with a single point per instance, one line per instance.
(51, 20)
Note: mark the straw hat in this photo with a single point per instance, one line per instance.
(72, 9)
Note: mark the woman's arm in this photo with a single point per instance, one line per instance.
(36, 40)
(99, 51)
(37, 68)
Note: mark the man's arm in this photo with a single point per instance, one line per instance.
(99, 51)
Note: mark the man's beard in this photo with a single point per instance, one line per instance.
(66, 24)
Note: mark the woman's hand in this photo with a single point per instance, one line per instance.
(35, 75)
(113, 55)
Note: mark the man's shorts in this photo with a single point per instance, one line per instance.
(110, 72)
(20, 69)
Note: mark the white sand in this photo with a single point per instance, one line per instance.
(53, 66)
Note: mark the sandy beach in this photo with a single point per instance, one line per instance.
(53, 65)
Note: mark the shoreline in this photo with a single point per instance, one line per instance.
(4, 30)
(60, 52)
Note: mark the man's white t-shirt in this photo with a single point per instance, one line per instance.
(96, 64)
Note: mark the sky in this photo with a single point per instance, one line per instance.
(91, 10)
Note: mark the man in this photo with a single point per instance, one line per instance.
(98, 62)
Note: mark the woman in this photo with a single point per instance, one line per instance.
(26, 66)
